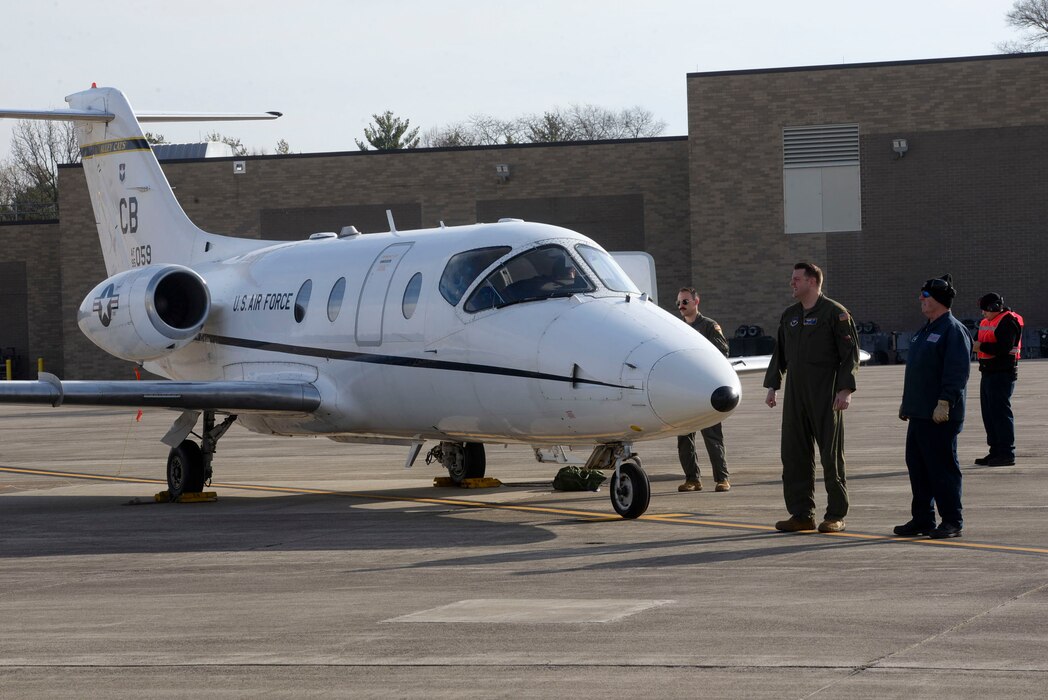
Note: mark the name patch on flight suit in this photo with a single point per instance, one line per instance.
(933, 337)
(811, 321)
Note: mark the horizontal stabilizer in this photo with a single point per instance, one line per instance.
(205, 116)
(295, 397)
(58, 115)
(92, 115)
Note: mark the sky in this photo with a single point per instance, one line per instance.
(330, 65)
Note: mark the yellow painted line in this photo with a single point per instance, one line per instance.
(667, 518)
(75, 475)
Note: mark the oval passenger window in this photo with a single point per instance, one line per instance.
(411, 293)
(302, 300)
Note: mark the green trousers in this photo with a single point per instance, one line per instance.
(808, 419)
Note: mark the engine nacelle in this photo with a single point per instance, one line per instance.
(146, 313)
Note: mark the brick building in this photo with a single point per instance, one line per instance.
(778, 165)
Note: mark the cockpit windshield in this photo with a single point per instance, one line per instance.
(463, 268)
(540, 273)
(609, 271)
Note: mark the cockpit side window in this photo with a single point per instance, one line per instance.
(540, 273)
(609, 271)
(463, 268)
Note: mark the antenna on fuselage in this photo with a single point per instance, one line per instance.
(389, 218)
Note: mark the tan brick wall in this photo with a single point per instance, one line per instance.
(739, 250)
(37, 246)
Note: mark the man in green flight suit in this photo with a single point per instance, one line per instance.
(816, 344)
(713, 436)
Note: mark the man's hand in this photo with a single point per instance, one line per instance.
(842, 400)
(941, 414)
(770, 400)
(976, 345)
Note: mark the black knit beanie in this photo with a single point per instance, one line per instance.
(941, 289)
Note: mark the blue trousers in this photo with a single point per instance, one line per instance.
(935, 474)
(995, 400)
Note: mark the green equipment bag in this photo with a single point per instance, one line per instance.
(574, 478)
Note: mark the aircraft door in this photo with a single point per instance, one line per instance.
(372, 305)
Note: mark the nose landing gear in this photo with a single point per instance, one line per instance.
(629, 486)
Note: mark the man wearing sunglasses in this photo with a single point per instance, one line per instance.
(937, 367)
(816, 344)
(688, 305)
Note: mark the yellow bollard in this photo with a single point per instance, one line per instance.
(7, 369)
(39, 364)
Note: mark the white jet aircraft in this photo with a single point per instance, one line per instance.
(490, 333)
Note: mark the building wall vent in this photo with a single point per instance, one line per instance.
(819, 146)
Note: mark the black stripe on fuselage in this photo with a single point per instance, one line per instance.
(393, 360)
(121, 146)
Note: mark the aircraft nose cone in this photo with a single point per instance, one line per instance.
(725, 399)
(688, 388)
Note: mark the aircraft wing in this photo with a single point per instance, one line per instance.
(753, 363)
(759, 363)
(225, 396)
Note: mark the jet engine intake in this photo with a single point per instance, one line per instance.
(147, 312)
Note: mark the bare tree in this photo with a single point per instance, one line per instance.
(1030, 16)
(479, 130)
(282, 147)
(576, 123)
(29, 180)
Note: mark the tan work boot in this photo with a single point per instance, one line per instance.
(795, 524)
(723, 486)
(690, 486)
(831, 526)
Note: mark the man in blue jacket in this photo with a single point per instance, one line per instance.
(937, 368)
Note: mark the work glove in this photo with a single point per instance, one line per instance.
(941, 414)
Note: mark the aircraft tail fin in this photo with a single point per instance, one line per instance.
(138, 218)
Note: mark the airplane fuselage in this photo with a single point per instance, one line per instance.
(392, 356)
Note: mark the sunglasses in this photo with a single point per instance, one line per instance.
(682, 302)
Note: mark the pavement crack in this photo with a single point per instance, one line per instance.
(880, 662)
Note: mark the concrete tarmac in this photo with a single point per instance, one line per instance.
(327, 570)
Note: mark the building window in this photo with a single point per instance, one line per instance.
(820, 175)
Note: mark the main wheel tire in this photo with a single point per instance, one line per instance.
(630, 490)
(475, 460)
(185, 469)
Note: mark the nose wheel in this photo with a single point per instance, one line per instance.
(630, 489)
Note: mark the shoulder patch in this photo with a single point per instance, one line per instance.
(844, 316)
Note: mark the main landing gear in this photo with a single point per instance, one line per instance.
(189, 464)
(629, 486)
(463, 460)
